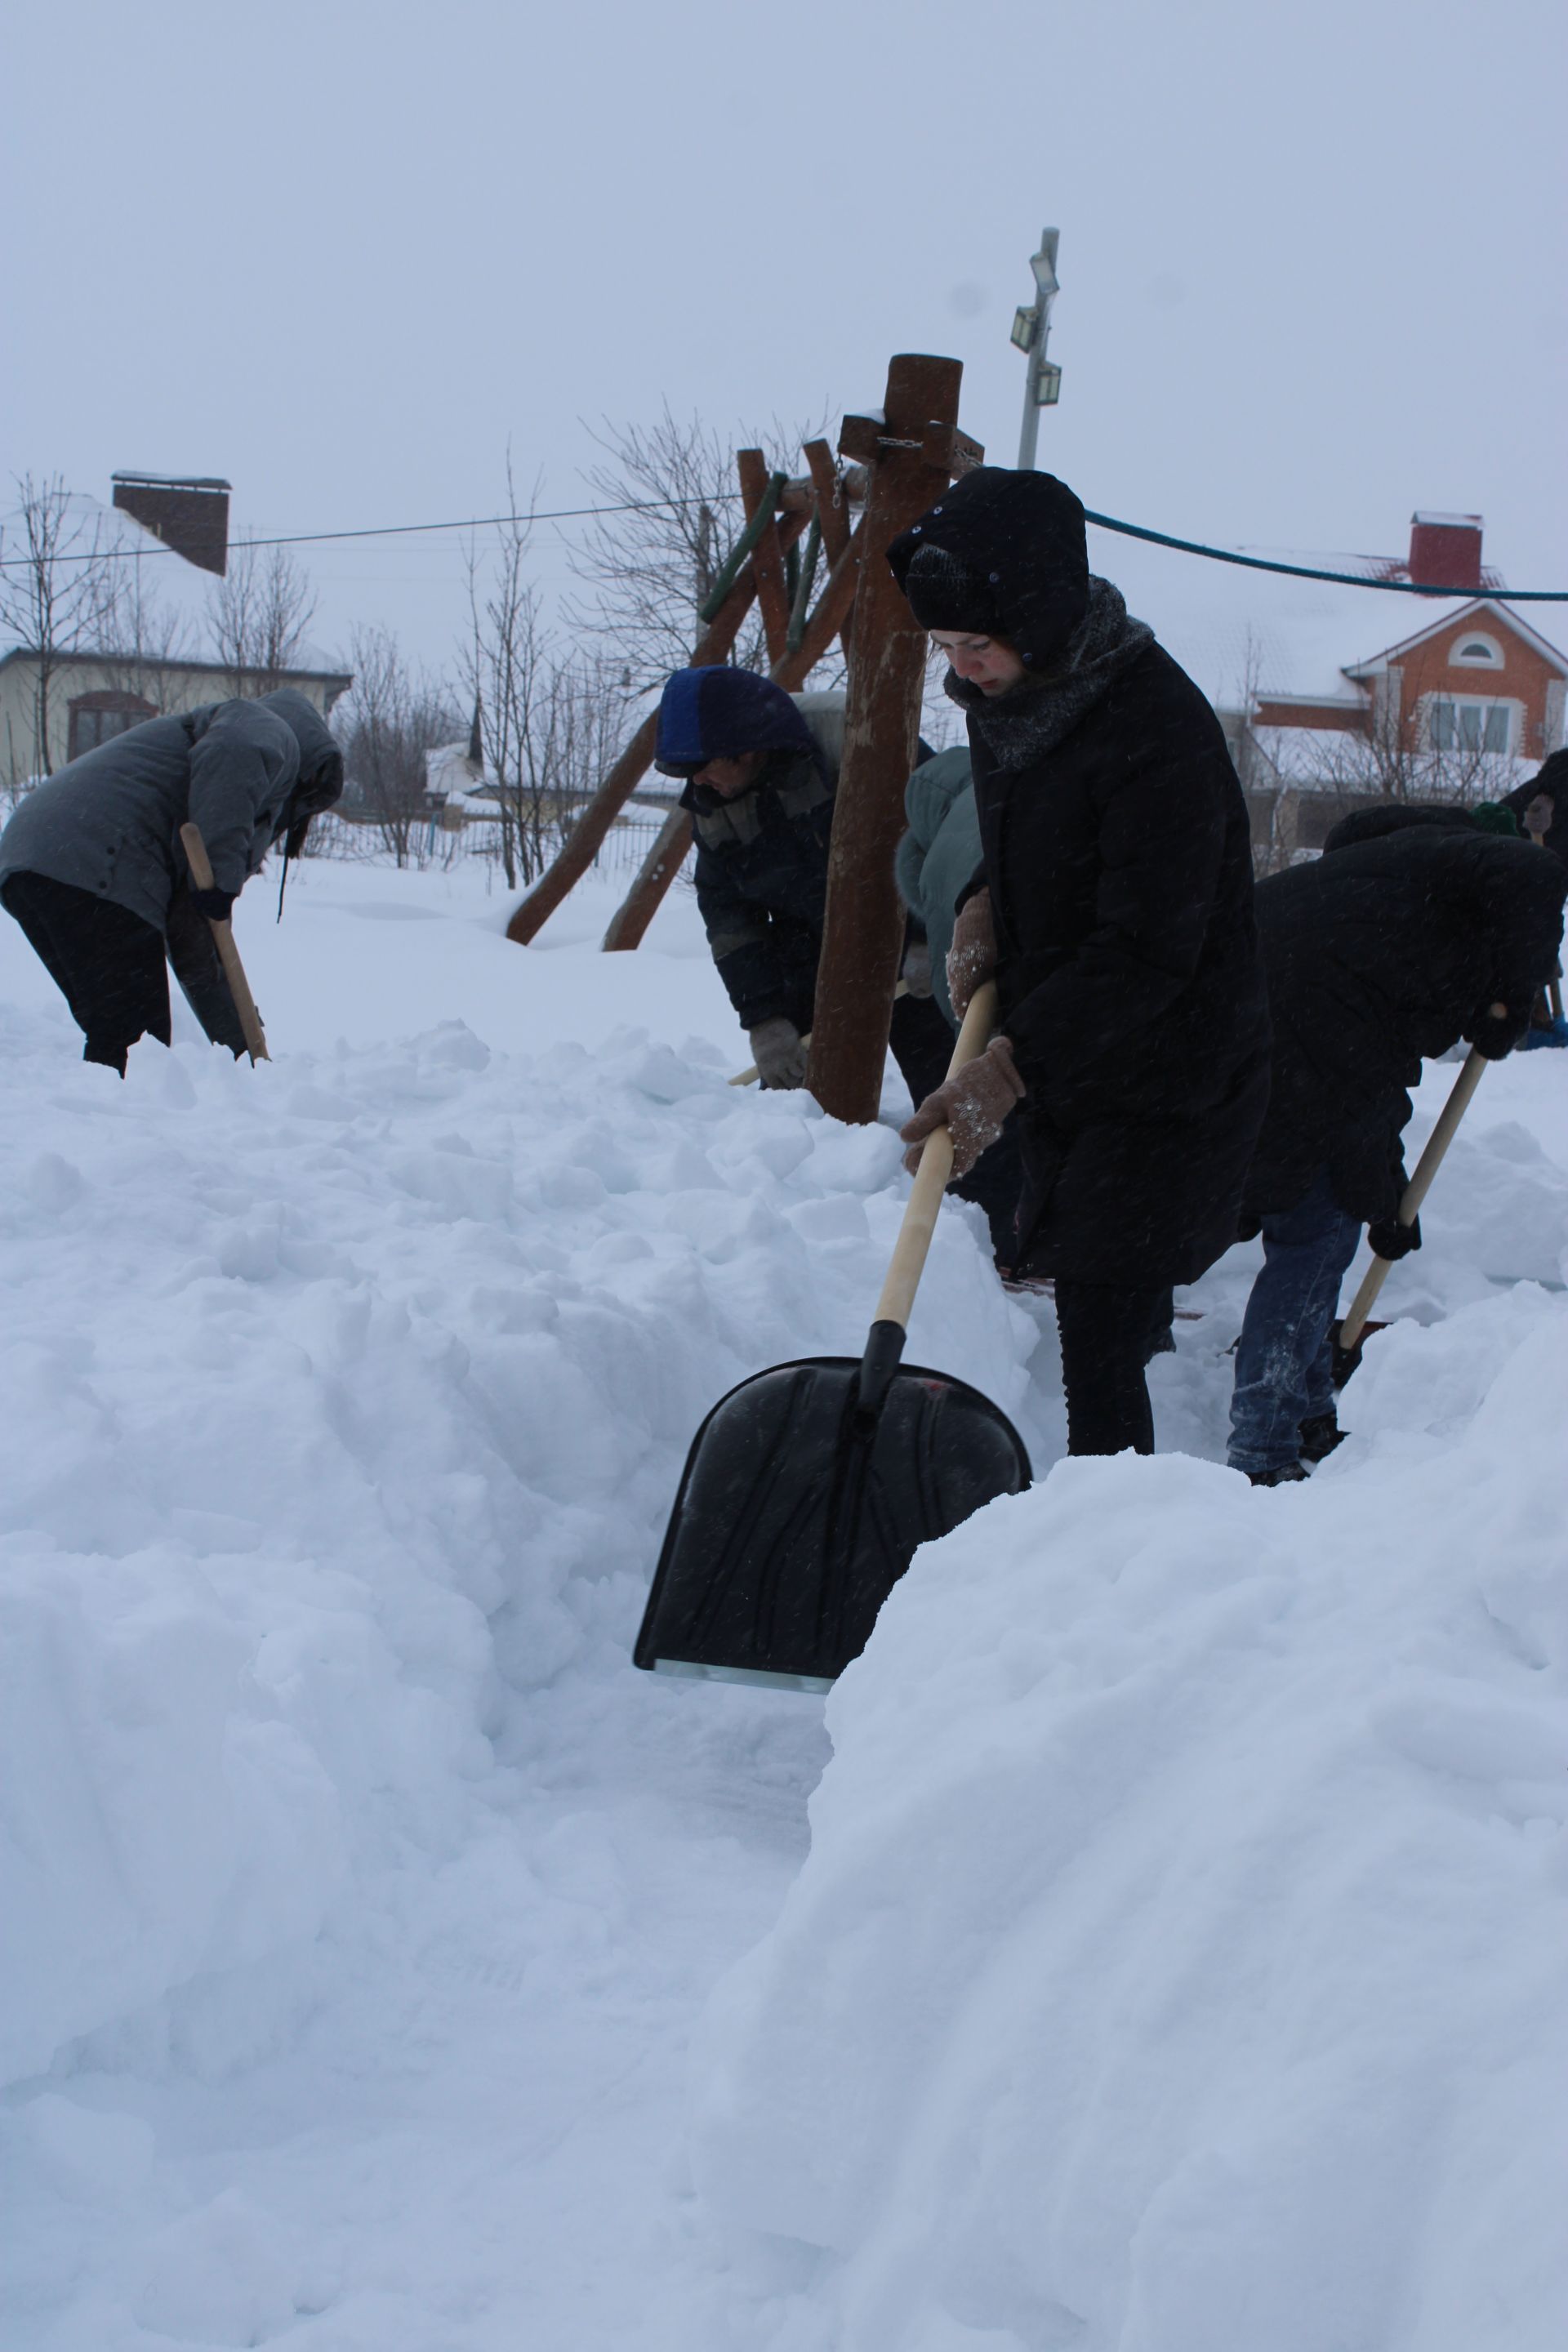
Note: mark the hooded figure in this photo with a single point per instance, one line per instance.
(1413, 930)
(92, 868)
(1550, 784)
(1114, 906)
(761, 770)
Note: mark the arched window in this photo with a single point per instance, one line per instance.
(94, 718)
(1474, 651)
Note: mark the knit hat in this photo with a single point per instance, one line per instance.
(718, 713)
(945, 592)
(1003, 555)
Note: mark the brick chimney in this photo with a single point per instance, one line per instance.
(191, 516)
(1446, 551)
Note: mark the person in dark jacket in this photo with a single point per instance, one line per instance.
(1413, 930)
(760, 786)
(1114, 905)
(92, 868)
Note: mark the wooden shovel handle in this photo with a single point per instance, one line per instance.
(1416, 1191)
(200, 863)
(898, 1298)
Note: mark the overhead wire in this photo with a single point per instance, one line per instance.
(651, 506)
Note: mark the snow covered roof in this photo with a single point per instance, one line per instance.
(1487, 606)
(1234, 629)
(163, 604)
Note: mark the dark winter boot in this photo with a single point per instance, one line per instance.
(1321, 1432)
(1288, 1475)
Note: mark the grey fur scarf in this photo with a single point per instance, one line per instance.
(1020, 727)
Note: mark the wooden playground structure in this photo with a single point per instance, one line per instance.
(842, 516)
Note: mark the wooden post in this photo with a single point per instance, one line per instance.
(665, 859)
(772, 597)
(914, 451)
(833, 512)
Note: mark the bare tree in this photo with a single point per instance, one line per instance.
(141, 636)
(388, 724)
(57, 593)
(649, 566)
(258, 617)
(551, 719)
(1399, 756)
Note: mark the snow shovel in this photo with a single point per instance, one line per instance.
(1348, 1336)
(808, 1487)
(196, 857)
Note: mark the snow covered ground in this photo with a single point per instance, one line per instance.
(392, 1969)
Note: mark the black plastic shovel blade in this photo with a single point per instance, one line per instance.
(798, 1512)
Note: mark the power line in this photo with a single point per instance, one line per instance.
(653, 505)
(387, 530)
(1309, 571)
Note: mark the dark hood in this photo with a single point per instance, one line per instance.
(321, 780)
(1020, 539)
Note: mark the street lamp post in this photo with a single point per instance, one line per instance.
(1031, 330)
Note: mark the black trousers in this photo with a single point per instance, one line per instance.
(106, 962)
(1108, 1337)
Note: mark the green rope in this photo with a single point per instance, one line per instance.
(767, 507)
(794, 636)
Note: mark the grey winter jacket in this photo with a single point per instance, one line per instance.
(244, 771)
(938, 857)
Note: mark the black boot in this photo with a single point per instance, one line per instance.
(1288, 1475)
(1321, 1432)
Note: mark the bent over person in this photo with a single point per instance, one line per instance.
(1416, 927)
(760, 783)
(1114, 906)
(93, 866)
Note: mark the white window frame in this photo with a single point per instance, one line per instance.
(1513, 713)
(1461, 657)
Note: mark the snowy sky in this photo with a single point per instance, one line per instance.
(1313, 261)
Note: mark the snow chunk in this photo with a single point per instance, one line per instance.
(1175, 1964)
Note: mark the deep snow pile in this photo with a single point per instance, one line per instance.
(344, 1402)
(1178, 1965)
(1170, 1947)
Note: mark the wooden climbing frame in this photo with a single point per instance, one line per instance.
(898, 462)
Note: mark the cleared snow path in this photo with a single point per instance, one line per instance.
(362, 1900)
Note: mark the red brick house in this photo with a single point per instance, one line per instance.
(1461, 708)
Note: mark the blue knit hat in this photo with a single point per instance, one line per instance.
(718, 713)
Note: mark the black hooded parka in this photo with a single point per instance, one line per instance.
(1382, 953)
(1119, 869)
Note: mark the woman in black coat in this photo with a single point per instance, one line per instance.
(1114, 905)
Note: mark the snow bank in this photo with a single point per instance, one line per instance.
(1177, 1963)
(345, 1399)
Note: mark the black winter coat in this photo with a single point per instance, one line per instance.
(1121, 875)
(1379, 955)
(762, 885)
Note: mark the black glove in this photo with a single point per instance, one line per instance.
(216, 904)
(1391, 1241)
(1493, 1037)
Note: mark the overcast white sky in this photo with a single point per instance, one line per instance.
(1312, 257)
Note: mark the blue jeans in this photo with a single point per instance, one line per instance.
(1284, 1361)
